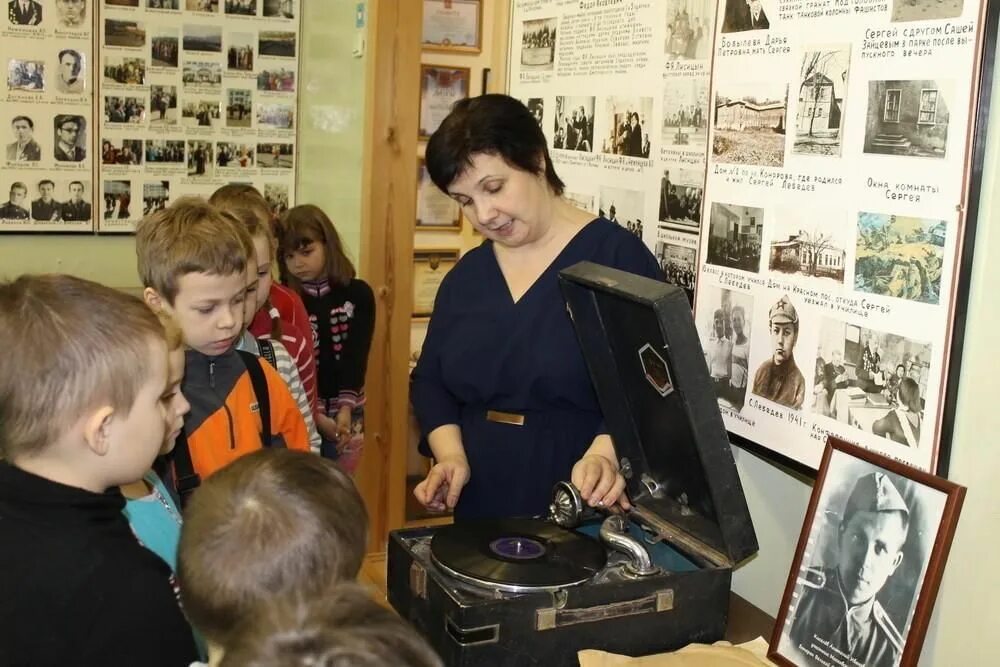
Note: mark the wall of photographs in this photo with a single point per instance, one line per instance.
(621, 92)
(117, 108)
(837, 181)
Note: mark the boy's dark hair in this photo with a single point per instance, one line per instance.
(495, 125)
(344, 628)
(304, 224)
(273, 523)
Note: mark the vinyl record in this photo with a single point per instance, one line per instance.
(517, 554)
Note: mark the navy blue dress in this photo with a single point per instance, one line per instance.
(485, 352)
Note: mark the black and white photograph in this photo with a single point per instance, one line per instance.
(24, 12)
(44, 207)
(685, 113)
(743, 15)
(677, 261)
(129, 34)
(873, 381)
(200, 112)
(124, 109)
(70, 138)
(275, 156)
(71, 14)
(239, 51)
(581, 201)
(239, 107)
(689, 29)
(681, 193)
(900, 256)
(121, 151)
(574, 123)
(202, 74)
(734, 236)
(282, 9)
(71, 73)
(125, 70)
(276, 116)
(25, 147)
(868, 564)
(76, 205)
(925, 10)
(121, 3)
(207, 6)
(276, 80)
(628, 121)
(171, 5)
(536, 105)
(165, 152)
(623, 207)
(908, 118)
(163, 105)
(17, 206)
(240, 7)
(200, 159)
(117, 200)
(724, 326)
(276, 43)
(538, 45)
(779, 378)
(201, 37)
(234, 155)
(164, 47)
(26, 75)
(809, 243)
(155, 196)
(276, 195)
(822, 99)
(750, 124)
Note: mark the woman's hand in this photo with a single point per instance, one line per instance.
(599, 482)
(439, 491)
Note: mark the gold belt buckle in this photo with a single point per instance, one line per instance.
(511, 418)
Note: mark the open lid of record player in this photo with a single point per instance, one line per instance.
(648, 367)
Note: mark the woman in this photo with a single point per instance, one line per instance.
(501, 390)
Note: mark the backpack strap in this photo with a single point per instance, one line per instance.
(185, 479)
(259, 383)
(267, 351)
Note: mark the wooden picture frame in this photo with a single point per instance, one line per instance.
(453, 26)
(430, 266)
(440, 87)
(886, 528)
(436, 211)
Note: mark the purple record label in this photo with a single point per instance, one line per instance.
(518, 548)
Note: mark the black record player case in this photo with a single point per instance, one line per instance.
(648, 368)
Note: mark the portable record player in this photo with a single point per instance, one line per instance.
(535, 591)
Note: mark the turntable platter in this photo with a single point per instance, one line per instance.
(517, 555)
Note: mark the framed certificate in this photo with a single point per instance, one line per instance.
(435, 209)
(440, 87)
(453, 25)
(429, 269)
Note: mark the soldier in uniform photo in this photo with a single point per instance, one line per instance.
(75, 208)
(14, 208)
(25, 149)
(45, 207)
(67, 134)
(837, 609)
(71, 13)
(779, 379)
(24, 12)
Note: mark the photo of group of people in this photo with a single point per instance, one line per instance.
(628, 126)
(574, 124)
(678, 263)
(122, 151)
(680, 198)
(49, 201)
(538, 44)
(724, 325)
(623, 207)
(734, 236)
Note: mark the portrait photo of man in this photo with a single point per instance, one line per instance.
(742, 15)
(70, 75)
(45, 207)
(24, 12)
(76, 208)
(24, 148)
(71, 13)
(779, 379)
(14, 208)
(69, 131)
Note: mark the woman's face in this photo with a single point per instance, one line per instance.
(504, 203)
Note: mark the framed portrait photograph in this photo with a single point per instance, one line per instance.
(440, 87)
(435, 210)
(430, 266)
(453, 25)
(869, 562)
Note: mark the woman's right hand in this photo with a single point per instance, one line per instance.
(439, 491)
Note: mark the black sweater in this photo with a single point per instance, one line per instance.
(76, 587)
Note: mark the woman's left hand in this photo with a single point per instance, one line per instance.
(599, 482)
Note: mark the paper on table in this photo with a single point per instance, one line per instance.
(749, 654)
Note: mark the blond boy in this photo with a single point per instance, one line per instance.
(193, 262)
(83, 378)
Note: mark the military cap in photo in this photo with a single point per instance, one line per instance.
(874, 493)
(783, 312)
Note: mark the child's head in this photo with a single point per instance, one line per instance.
(193, 261)
(176, 404)
(344, 628)
(273, 523)
(83, 376)
(310, 248)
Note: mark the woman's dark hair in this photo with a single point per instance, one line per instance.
(495, 125)
(304, 224)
